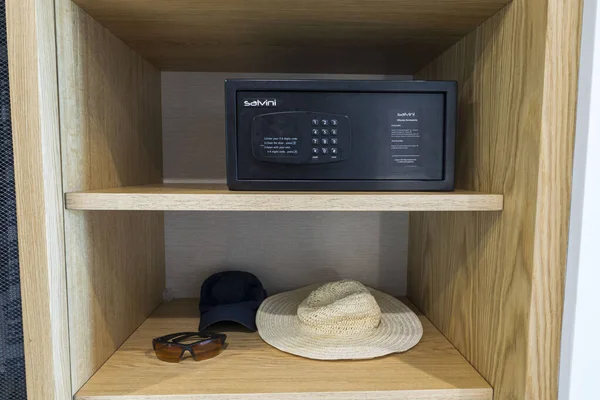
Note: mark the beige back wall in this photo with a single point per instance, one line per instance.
(285, 250)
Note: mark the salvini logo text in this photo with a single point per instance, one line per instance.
(260, 103)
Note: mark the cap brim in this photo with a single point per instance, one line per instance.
(278, 325)
(229, 313)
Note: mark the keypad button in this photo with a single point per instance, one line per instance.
(324, 122)
(334, 122)
(315, 141)
(325, 141)
(324, 150)
(334, 141)
(315, 132)
(315, 122)
(324, 132)
(315, 151)
(334, 150)
(334, 132)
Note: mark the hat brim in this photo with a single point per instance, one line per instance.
(237, 313)
(276, 319)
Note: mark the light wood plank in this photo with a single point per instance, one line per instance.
(111, 135)
(182, 197)
(35, 125)
(553, 196)
(378, 36)
(493, 282)
(251, 369)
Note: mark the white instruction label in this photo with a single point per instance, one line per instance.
(405, 138)
(280, 146)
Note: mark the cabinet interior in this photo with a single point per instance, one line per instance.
(144, 182)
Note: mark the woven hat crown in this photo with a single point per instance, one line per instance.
(340, 308)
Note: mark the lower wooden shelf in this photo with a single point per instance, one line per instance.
(250, 370)
(207, 197)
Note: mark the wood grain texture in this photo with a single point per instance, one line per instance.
(251, 369)
(286, 250)
(379, 36)
(492, 282)
(553, 196)
(194, 120)
(110, 132)
(36, 141)
(214, 197)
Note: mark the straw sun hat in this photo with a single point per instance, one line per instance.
(337, 321)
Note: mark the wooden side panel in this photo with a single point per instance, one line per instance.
(111, 136)
(492, 282)
(553, 196)
(33, 92)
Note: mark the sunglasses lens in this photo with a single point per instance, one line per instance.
(167, 352)
(206, 350)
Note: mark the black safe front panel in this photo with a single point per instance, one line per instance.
(338, 138)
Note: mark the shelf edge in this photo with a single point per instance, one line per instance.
(282, 202)
(434, 394)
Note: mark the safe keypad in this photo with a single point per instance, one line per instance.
(327, 145)
(298, 137)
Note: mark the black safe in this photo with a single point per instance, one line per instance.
(340, 135)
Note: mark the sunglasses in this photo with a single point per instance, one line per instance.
(202, 346)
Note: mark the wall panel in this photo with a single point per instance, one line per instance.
(36, 144)
(110, 136)
(493, 282)
(287, 250)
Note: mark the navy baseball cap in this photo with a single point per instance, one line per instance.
(232, 296)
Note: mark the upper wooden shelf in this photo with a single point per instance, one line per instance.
(182, 197)
(334, 36)
(251, 369)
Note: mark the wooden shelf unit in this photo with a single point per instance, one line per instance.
(334, 36)
(182, 197)
(86, 81)
(249, 369)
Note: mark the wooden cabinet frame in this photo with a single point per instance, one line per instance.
(490, 281)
